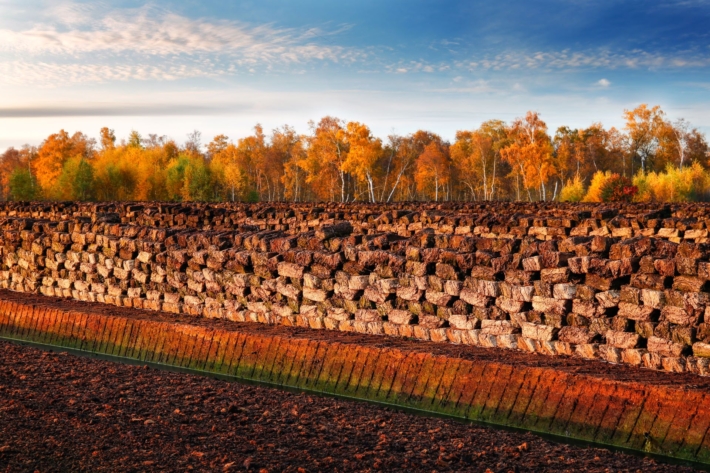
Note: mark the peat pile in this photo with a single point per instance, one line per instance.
(623, 283)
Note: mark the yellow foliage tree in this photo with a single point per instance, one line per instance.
(364, 152)
(227, 168)
(645, 127)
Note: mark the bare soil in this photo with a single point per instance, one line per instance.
(60, 412)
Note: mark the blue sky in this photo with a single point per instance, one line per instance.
(172, 67)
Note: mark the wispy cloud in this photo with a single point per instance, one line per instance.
(73, 43)
(591, 59)
(171, 34)
(564, 60)
(53, 74)
(90, 43)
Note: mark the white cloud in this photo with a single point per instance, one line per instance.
(603, 83)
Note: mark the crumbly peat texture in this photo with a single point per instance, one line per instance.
(622, 283)
(59, 412)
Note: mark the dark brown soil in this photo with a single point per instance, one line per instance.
(60, 412)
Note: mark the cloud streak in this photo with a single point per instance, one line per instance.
(121, 110)
(591, 59)
(52, 74)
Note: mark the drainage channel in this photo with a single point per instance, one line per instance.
(410, 410)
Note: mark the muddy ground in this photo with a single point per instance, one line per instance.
(60, 412)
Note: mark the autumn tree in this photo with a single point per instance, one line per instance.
(325, 157)
(108, 138)
(250, 159)
(579, 153)
(476, 158)
(283, 155)
(645, 127)
(362, 158)
(53, 153)
(197, 184)
(680, 144)
(150, 172)
(10, 162)
(282, 149)
(227, 171)
(530, 155)
(433, 171)
(217, 145)
(390, 153)
(400, 155)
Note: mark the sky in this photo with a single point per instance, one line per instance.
(171, 67)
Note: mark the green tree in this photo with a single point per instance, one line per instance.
(76, 182)
(83, 184)
(198, 181)
(175, 180)
(135, 140)
(22, 186)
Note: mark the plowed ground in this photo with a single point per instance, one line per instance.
(60, 412)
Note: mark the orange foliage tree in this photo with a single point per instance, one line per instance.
(433, 172)
(325, 158)
(530, 155)
(53, 153)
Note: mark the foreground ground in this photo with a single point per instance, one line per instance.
(59, 412)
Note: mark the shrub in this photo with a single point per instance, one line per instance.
(573, 191)
(618, 189)
(674, 185)
(594, 193)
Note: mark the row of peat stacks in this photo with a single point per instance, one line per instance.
(622, 283)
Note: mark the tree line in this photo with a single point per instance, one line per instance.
(343, 161)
